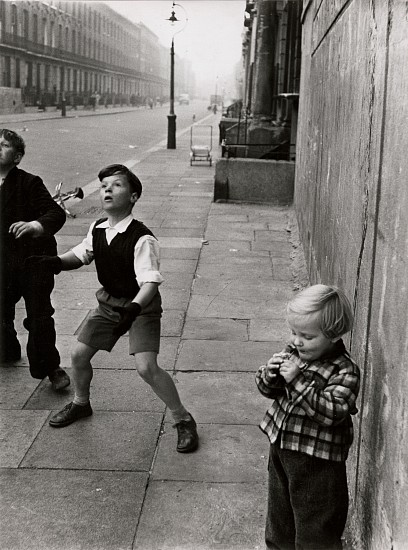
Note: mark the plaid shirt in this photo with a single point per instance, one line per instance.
(313, 413)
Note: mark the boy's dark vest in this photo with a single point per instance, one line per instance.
(115, 262)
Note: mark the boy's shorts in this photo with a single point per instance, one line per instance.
(144, 334)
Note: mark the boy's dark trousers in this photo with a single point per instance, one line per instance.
(35, 286)
(307, 501)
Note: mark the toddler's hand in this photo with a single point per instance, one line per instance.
(271, 372)
(289, 370)
(277, 359)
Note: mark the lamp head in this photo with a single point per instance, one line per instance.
(173, 19)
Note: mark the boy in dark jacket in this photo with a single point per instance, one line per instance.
(126, 255)
(29, 220)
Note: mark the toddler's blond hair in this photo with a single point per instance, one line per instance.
(336, 315)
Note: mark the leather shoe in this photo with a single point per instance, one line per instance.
(59, 379)
(187, 441)
(69, 414)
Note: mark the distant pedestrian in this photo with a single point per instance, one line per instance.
(126, 255)
(95, 97)
(313, 385)
(29, 220)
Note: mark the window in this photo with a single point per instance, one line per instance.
(44, 32)
(35, 28)
(52, 34)
(14, 19)
(25, 25)
(74, 41)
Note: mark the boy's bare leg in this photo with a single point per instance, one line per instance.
(159, 380)
(82, 375)
(82, 372)
(163, 386)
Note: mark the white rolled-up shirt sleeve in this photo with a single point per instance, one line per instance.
(84, 250)
(147, 261)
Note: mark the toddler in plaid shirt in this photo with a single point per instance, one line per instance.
(313, 384)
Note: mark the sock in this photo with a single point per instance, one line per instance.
(180, 414)
(81, 400)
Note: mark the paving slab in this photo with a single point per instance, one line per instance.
(227, 246)
(229, 356)
(178, 232)
(277, 249)
(211, 255)
(268, 330)
(245, 286)
(175, 298)
(185, 222)
(282, 269)
(69, 510)
(177, 280)
(78, 279)
(16, 386)
(215, 329)
(18, 429)
(236, 308)
(82, 298)
(271, 235)
(227, 453)
(173, 265)
(202, 516)
(173, 246)
(230, 398)
(172, 322)
(104, 441)
(258, 264)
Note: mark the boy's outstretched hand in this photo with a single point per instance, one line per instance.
(48, 263)
(128, 314)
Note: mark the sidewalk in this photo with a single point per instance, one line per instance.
(32, 113)
(114, 480)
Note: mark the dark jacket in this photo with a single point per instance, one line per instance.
(24, 197)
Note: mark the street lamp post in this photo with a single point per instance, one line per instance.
(171, 117)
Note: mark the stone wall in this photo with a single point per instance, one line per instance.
(254, 180)
(10, 101)
(351, 199)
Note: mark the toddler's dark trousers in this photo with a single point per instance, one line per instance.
(307, 501)
(35, 286)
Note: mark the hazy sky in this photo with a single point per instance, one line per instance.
(211, 38)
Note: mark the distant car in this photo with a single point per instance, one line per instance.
(184, 99)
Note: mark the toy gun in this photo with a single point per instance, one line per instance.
(60, 197)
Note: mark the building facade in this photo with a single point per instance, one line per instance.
(271, 59)
(64, 50)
